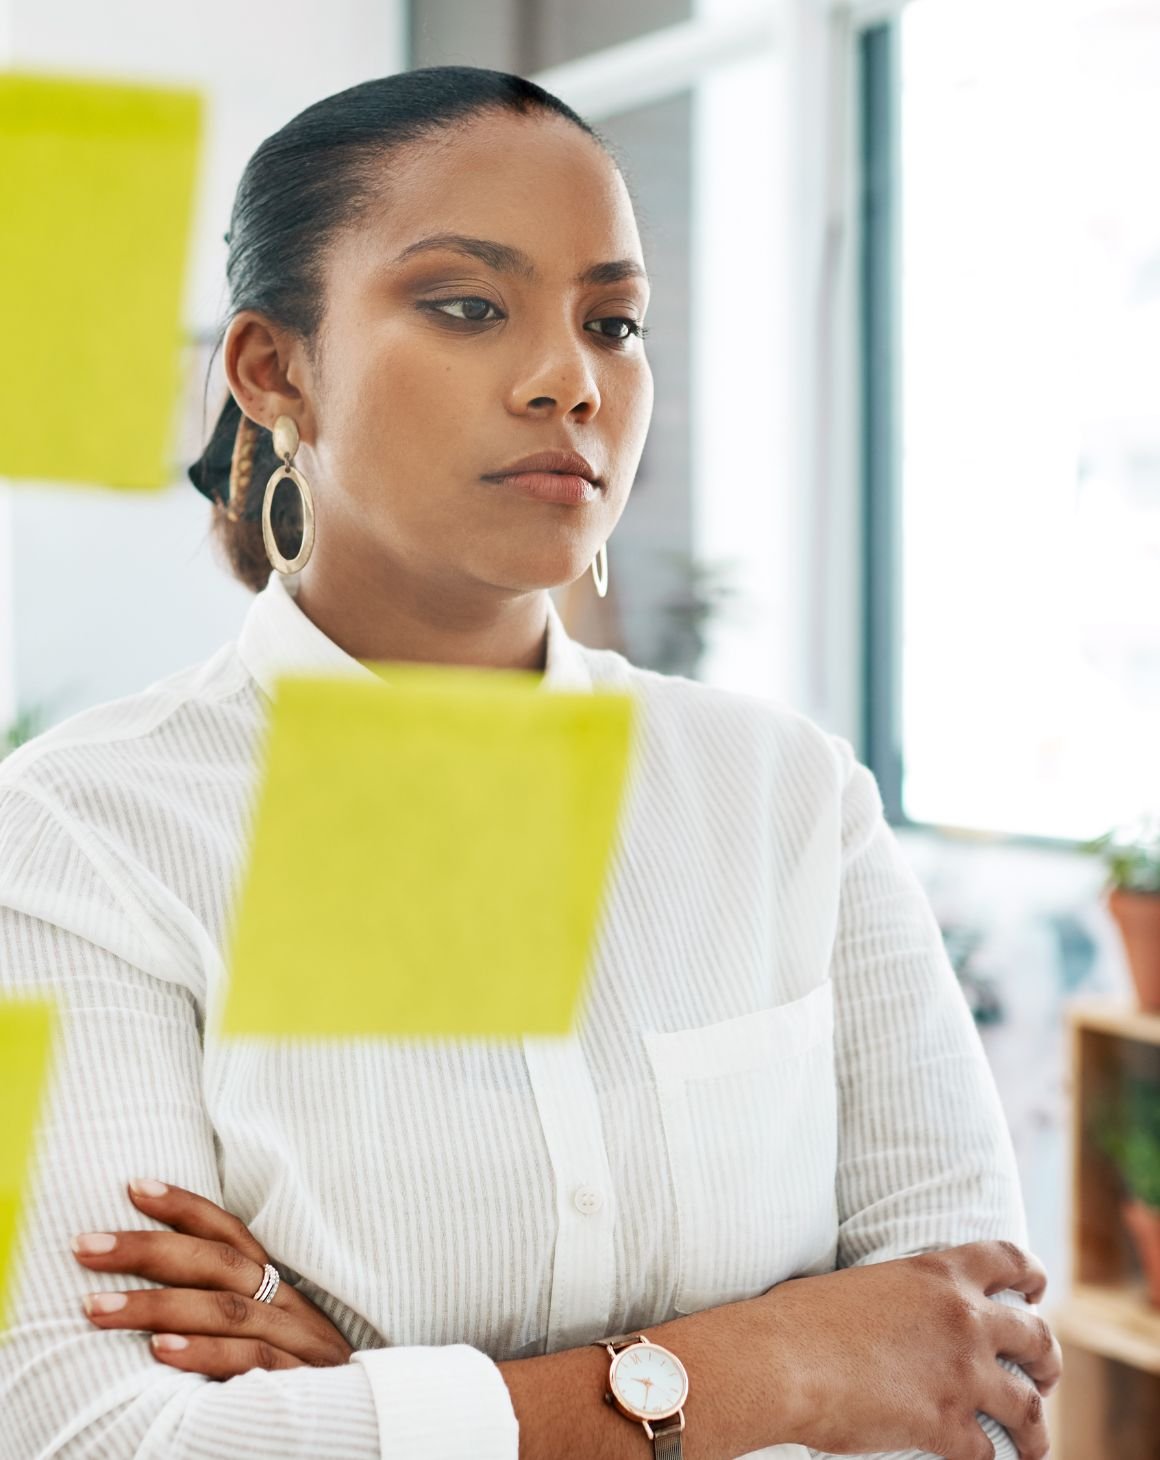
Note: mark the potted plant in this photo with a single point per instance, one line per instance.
(1128, 1131)
(1132, 896)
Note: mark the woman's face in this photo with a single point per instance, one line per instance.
(419, 394)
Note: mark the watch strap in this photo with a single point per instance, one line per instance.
(619, 1340)
(667, 1445)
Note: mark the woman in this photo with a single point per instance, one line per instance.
(773, 1141)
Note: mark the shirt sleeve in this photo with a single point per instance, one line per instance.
(123, 1099)
(925, 1156)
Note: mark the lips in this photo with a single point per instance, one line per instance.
(563, 463)
(548, 486)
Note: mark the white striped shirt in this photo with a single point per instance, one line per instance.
(775, 1073)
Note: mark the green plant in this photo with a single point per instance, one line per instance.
(1131, 854)
(1127, 1129)
(29, 721)
(706, 589)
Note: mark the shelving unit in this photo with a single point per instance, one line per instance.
(1107, 1406)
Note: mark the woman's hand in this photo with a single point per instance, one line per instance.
(901, 1354)
(206, 1320)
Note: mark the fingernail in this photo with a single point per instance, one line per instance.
(147, 1186)
(169, 1341)
(94, 1242)
(104, 1302)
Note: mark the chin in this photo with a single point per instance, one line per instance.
(544, 571)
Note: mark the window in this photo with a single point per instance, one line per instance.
(1012, 252)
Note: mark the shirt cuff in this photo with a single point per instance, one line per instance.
(441, 1402)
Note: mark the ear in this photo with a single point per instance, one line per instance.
(262, 362)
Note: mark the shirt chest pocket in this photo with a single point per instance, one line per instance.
(749, 1110)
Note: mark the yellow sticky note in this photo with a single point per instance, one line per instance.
(428, 855)
(26, 1032)
(98, 183)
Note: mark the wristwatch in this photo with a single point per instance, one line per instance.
(647, 1382)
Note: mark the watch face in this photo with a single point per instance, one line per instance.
(649, 1380)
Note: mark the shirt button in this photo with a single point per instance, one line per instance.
(587, 1200)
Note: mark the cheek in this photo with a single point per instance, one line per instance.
(629, 415)
(627, 400)
(386, 420)
(642, 402)
(386, 390)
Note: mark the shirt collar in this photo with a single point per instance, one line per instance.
(278, 638)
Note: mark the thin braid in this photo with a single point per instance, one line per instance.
(241, 467)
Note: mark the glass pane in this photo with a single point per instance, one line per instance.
(746, 501)
(1030, 225)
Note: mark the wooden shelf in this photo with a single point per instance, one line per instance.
(1110, 1014)
(1114, 1320)
(1108, 1404)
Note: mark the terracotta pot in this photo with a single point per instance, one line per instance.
(1143, 1222)
(1138, 917)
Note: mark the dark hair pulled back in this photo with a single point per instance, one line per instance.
(306, 183)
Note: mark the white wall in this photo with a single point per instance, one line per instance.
(102, 592)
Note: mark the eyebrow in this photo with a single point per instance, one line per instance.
(506, 259)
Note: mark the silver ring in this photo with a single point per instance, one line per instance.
(271, 1277)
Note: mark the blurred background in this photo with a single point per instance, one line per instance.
(903, 474)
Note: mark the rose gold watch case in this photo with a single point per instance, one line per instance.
(644, 1416)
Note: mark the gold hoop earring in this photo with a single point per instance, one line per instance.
(600, 573)
(286, 444)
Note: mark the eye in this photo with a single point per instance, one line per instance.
(635, 329)
(439, 305)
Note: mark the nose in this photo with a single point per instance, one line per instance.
(563, 375)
